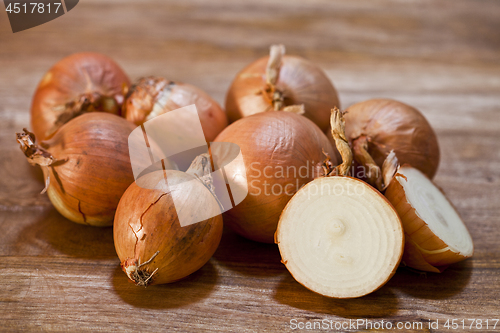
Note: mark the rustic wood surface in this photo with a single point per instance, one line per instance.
(443, 57)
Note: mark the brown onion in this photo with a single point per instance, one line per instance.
(385, 125)
(277, 81)
(435, 234)
(81, 82)
(338, 236)
(153, 245)
(153, 96)
(281, 151)
(86, 165)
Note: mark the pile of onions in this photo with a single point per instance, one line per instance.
(153, 96)
(281, 151)
(86, 165)
(80, 83)
(277, 81)
(154, 242)
(434, 232)
(338, 236)
(378, 126)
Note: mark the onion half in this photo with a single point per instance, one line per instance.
(338, 236)
(435, 234)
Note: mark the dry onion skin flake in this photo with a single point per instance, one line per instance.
(338, 236)
(435, 234)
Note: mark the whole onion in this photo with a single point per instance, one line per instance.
(156, 232)
(376, 127)
(277, 81)
(281, 152)
(153, 96)
(82, 82)
(86, 165)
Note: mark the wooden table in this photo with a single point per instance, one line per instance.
(442, 57)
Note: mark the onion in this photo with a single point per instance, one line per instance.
(82, 82)
(155, 244)
(338, 236)
(153, 96)
(377, 126)
(435, 234)
(277, 81)
(281, 151)
(86, 165)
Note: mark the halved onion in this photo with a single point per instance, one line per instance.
(338, 236)
(152, 96)
(435, 234)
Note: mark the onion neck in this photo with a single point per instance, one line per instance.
(377, 177)
(152, 93)
(201, 168)
(270, 92)
(363, 157)
(35, 154)
(337, 123)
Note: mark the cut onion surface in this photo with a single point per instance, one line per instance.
(435, 234)
(338, 236)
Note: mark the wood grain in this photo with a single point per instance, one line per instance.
(440, 56)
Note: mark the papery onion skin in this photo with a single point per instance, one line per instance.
(392, 125)
(414, 255)
(299, 80)
(71, 78)
(93, 170)
(140, 103)
(275, 140)
(146, 222)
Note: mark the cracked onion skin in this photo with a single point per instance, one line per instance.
(147, 223)
(86, 74)
(93, 168)
(153, 96)
(300, 81)
(275, 140)
(392, 125)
